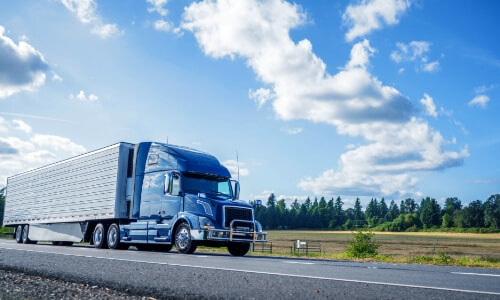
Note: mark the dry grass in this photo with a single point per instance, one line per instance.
(399, 246)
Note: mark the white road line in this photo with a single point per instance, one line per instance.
(476, 274)
(299, 263)
(268, 273)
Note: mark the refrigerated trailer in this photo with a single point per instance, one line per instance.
(148, 195)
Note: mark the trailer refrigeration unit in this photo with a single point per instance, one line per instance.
(149, 195)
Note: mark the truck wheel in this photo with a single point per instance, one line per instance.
(238, 249)
(25, 238)
(114, 238)
(19, 234)
(99, 236)
(183, 241)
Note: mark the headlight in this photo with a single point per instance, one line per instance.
(205, 223)
(206, 207)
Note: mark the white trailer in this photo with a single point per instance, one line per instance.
(56, 199)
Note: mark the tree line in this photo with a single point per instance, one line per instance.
(409, 215)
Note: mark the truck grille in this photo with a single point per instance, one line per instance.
(237, 213)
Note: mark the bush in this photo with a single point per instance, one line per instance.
(362, 245)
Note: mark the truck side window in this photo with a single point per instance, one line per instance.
(175, 184)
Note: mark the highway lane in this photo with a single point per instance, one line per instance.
(251, 277)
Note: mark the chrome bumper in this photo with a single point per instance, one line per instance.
(238, 232)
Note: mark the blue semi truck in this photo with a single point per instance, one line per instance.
(148, 195)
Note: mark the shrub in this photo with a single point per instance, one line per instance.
(362, 245)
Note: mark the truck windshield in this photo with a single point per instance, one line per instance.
(208, 184)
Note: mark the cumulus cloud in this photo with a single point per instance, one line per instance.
(86, 12)
(21, 125)
(162, 25)
(82, 97)
(260, 96)
(480, 100)
(415, 51)
(22, 67)
(369, 15)
(233, 166)
(430, 107)
(354, 101)
(35, 150)
(158, 6)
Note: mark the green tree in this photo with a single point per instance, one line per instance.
(393, 212)
(451, 205)
(382, 209)
(359, 217)
(492, 211)
(430, 213)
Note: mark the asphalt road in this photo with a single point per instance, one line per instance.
(205, 275)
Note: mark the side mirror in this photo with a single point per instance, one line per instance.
(257, 203)
(168, 183)
(236, 189)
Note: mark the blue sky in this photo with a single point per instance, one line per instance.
(380, 98)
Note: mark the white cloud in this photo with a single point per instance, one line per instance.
(260, 96)
(56, 77)
(353, 100)
(162, 25)
(430, 107)
(23, 67)
(480, 100)
(158, 6)
(415, 51)
(85, 11)
(369, 15)
(292, 131)
(57, 143)
(82, 97)
(430, 67)
(234, 167)
(18, 155)
(21, 125)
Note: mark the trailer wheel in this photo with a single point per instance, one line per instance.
(19, 234)
(25, 238)
(99, 236)
(114, 238)
(183, 241)
(238, 249)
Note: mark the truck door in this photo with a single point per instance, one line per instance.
(171, 202)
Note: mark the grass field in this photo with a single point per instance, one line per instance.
(424, 247)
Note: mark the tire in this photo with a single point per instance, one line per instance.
(99, 236)
(25, 238)
(113, 238)
(183, 241)
(238, 249)
(19, 234)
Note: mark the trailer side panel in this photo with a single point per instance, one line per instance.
(86, 187)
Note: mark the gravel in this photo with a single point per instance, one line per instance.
(17, 285)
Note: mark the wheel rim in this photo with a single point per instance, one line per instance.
(182, 238)
(25, 234)
(19, 233)
(112, 236)
(98, 236)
